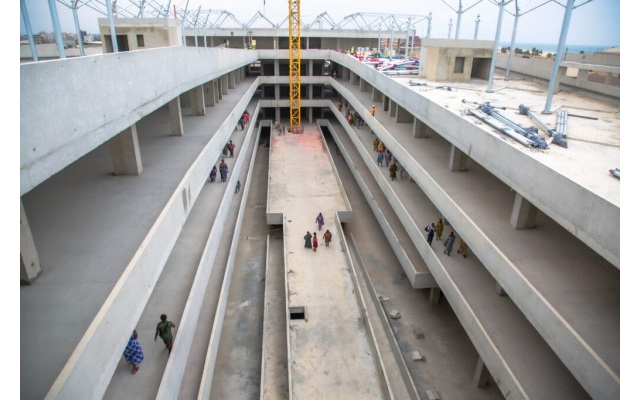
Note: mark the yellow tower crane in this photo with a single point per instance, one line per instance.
(294, 66)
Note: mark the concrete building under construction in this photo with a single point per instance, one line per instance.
(121, 222)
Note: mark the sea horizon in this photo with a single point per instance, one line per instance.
(553, 47)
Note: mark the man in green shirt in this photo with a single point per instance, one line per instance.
(163, 329)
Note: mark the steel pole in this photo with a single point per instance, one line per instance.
(475, 35)
(429, 26)
(114, 39)
(495, 47)
(56, 28)
(27, 24)
(450, 24)
(513, 42)
(74, 7)
(561, 47)
(459, 20)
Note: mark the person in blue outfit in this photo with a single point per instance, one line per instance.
(213, 173)
(223, 171)
(133, 352)
(448, 244)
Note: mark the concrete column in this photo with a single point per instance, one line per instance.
(29, 261)
(352, 79)
(481, 377)
(376, 95)
(216, 90)
(393, 108)
(310, 115)
(175, 113)
(219, 82)
(276, 68)
(562, 71)
(310, 66)
(185, 100)
(232, 80)
(125, 152)
(419, 129)
(225, 84)
(277, 92)
(457, 160)
(364, 86)
(500, 290)
(238, 74)
(209, 94)
(278, 115)
(523, 215)
(402, 115)
(434, 295)
(385, 103)
(197, 100)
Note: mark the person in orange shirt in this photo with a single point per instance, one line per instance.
(373, 111)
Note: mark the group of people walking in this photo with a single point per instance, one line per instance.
(223, 168)
(133, 353)
(436, 229)
(385, 156)
(311, 241)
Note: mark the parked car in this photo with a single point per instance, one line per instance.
(407, 68)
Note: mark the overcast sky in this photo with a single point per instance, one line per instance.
(595, 22)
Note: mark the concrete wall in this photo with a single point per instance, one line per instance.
(108, 93)
(50, 50)
(542, 68)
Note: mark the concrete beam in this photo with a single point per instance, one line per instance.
(125, 152)
(175, 113)
(523, 215)
(30, 268)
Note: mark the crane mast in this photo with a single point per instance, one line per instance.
(294, 66)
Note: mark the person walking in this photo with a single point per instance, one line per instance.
(320, 221)
(237, 186)
(392, 171)
(133, 352)
(307, 240)
(387, 157)
(223, 170)
(231, 146)
(439, 229)
(340, 106)
(448, 244)
(225, 151)
(163, 329)
(463, 248)
(380, 158)
(373, 111)
(213, 173)
(431, 230)
(376, 142)
(327, 238)
(315, 241)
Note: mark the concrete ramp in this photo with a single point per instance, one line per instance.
(330, 354)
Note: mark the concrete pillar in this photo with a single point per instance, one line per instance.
(175, 113)
(481, 377)
(385, 103)
(232, 80)
(185, 100)
(434, 295)
(523, 215)
(276, 68)
(29, 261)
(310, 67)
(238, 72)
(277, 92)
(457, 160)
(197, 100)
(393, 108)
(376, 95)
(209, 94)
(402, 115)
(500, 290)
(310, 115)
(364, 86)
(225, 84)
(125, 152)
(562, 71)
(216, 90)
(419, 129)
(352, 79)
